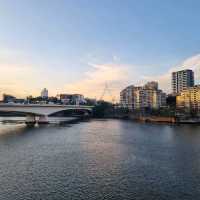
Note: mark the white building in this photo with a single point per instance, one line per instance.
(74, 99)
(127, 97)
(147, 96)
(44, 93)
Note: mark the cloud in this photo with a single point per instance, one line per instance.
(21, 76)
(93, 83)
(17, 75)
(16, 79)
(164, 80)
(118, 76)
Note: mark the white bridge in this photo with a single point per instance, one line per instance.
(41, 110)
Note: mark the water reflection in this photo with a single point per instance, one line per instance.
(109, 159)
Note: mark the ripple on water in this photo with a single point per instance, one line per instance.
(109, 159)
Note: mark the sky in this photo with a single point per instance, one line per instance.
(79, 46)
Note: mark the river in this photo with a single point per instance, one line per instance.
(100, 159)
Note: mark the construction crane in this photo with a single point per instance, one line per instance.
(108, 91)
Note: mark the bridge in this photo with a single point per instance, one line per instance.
(42, 111)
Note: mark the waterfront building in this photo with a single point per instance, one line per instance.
(181, 80)
(189, 99)
(74, 99)
(147, 96)
(44, 93)
(127, 97)
(7, 98)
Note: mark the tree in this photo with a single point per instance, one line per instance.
(103, 109)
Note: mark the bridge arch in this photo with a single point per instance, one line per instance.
(43, 111)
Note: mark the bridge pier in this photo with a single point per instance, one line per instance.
(38, 113)
(43, 119)
(30, 120)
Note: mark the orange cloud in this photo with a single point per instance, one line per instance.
(92, 85)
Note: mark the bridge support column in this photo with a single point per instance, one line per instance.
(30, 120)
(43, 119)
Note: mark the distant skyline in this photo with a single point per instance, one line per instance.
(77, 46)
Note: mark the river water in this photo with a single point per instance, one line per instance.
(100, 159)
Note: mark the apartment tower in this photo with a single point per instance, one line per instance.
(181, 80)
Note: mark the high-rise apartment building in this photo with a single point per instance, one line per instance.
(127, 97)
(181, 80)
(147, 96)
(189, 99)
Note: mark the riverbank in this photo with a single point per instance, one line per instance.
(160, 119)
(156, 119)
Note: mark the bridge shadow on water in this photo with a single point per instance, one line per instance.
(13, 129)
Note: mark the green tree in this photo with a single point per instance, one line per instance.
(103, 109)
